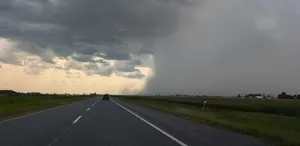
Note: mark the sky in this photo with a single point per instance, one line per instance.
(215, 47)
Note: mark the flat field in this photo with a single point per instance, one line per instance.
(19, 104)
(271, 120)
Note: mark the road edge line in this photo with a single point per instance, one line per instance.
(152, 125)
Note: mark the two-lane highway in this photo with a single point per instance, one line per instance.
(110, 123)
(90, 122)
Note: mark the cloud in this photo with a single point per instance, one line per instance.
(211, 46)
(104, 68)
(230, 47)
(104, 63)
(35, 68)
(135, 62)
(6, 50)
(92, 69)
(125, 66)
(125, 69)
(103, 72)
(82, 58)
(134, 75)
(50, 81)
(86, 28)
(33, 71)
(70, 74)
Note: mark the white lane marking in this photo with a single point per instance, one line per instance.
(76, 120)
(88, 109)
(155, 127)
(93, 104)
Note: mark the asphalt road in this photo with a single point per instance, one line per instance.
(112, 123)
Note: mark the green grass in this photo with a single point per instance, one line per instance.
(276, 107)
(252, 117)
(12, 105)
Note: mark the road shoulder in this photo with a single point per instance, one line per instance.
(194, 134)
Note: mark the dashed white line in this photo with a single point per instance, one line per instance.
(76, 120)
(93, 104)
(88, 109)
(155, 127)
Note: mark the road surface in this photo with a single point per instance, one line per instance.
(112, 123)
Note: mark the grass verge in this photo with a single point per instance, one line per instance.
(272, 128)
(13, 105)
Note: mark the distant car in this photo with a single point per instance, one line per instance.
(105, 97)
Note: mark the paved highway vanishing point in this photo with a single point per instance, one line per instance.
(112, 123)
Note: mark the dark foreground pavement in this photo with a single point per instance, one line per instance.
(97, 122)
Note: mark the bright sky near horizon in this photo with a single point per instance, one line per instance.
(31, 74)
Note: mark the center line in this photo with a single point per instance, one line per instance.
(76, 120)
(88, 109)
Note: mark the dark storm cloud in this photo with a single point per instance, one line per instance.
(230, 47)
(5, 4)
(103, 28)
(83, 58)
(218, 46)
(115, 55)
(135, 62)
(86, 27)
(102, 62)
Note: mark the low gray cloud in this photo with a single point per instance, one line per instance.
(135, 62)
(103, 71)
(82, 58)
(98, 69)
(104, 68)
(126, 66)
(125, 69)
(134, 75)
(104, 63)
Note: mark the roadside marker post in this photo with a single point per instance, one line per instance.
(203, 106)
